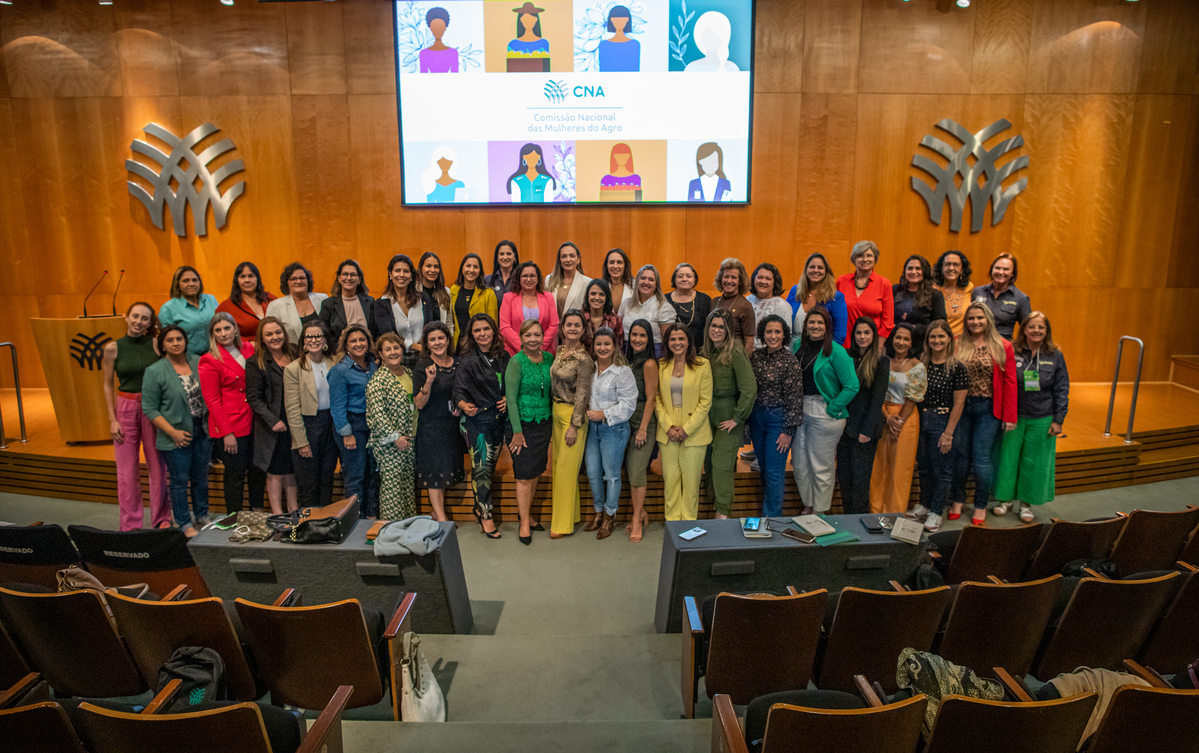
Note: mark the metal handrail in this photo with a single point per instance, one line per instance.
(1136, 386)
(16, 376)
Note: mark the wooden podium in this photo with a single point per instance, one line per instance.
(72, 352)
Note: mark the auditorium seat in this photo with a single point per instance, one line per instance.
(34, 554)
(70, 639)
(1190, 552)
(158, 557)
(12, 662)
(154, 630)
(305, 653)
(792, 727)
(26, 690)
(980, 551)
(1067, 541)
(237, 727)
(998, 624)
(1174, 641)
(871, 628)
(756, 645)
(972, 724)
(1153, 540)
(1105, 622)
(38, 728)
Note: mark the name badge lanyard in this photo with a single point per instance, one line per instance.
(1032, 375)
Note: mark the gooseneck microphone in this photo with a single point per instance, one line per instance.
(114, 292)
(93, 290)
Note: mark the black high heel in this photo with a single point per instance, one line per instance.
(526, 540)
(489, 534)
(537, 527)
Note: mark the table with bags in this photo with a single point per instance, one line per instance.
(418, 555)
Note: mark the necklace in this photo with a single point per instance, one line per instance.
(810, 363)
(682, 307)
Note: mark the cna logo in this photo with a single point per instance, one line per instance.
(555, 91)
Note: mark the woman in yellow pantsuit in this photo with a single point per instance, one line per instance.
(684, 398)
(570, 382)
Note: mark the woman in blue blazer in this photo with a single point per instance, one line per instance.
(818, 287)
(172, 400)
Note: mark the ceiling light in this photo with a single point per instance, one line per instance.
(963, 3)
(226, 2)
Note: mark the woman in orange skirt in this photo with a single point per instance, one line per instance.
(891, 484)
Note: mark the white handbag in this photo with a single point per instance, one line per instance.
(420, 695)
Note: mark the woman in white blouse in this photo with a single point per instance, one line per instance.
(648, 303)
(400, 309)
(299, 304)
(567, 283)
(613, 400)
(767, 296)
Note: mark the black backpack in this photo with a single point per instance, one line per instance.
(202, 671)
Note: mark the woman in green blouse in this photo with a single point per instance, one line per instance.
(530, 410)
(391, 418)
(733, 391)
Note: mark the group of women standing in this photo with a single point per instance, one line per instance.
(858, 380)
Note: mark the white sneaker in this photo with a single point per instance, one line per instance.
(755, 466)
(1026, 513)
(748, 456)
(932, 523)
(917, 512)
(1001, 509)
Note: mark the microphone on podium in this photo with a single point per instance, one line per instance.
(114, 292)
(93, 290)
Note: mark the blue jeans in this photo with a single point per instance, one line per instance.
(975, 438)
(765, 427)
(190, 464)
(359, 473)
(936, 469)
(605, 454)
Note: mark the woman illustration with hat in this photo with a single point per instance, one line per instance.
(528, 44)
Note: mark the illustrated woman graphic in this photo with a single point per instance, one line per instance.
(712, 34)
(438, 58)
(621, 183)
(532, 183)
(619, 53)
(711, 185)
(528, 52)
(439, 179)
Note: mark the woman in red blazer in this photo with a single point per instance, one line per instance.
(230, 418)
(520, 304)
(866, 293)
(990, 408)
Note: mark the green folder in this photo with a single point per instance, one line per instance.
(840, 537)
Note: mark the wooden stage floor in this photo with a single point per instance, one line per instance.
(1166, 445)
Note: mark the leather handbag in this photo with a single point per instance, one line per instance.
(75, 578)
(421, 699)
(330, 524)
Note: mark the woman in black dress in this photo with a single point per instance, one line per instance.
(439, 447)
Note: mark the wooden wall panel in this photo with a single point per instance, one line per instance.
(1084, 47)
(915, 47)
(832, 38)
(1068, 228)
(239, 49)
(147, 48)
(1080, 318)
(1154, 315)
(484, 228)
(888, 210)
(1171, 49)
(71, 52)
(824, 200)
(761, 230)
(370, 53)
(14, 235)
(3, 66)
(1184, 250)
(1002, 37)
(778, 45)
(659, 237)
(324, 182)
(1151, 194)
(15, 312)
(316, 48)
(593, 230)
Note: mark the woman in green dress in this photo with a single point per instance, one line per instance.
(391, 417)
(734, 389)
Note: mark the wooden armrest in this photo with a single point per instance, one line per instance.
(397, 625)
(996, 580)
(727, 736)
(791, 591)
(37, 523)
(1094, 574)
(1014, 686)
(868, 693)
(1185, 566)
(178, 593)
(10, 696)
(899, 587)
(289, 598)
(325, 735)
(163, 700)
(1147, 674)
(933, 555)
